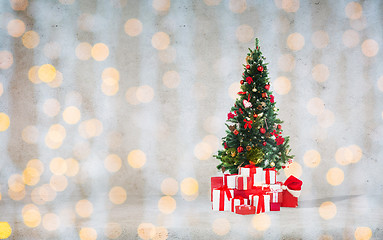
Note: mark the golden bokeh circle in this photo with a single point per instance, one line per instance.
(31, 39)
(145, 94)
(354, 10)
(290, 5)
(161, 233)
(36, 164)
(6, 59)
(343, 156)
(16, 28)
(31, 176)
(320, 73)
(133, 27)
(350, 38)
(47, 193)
(47, 73)
(160, 40)
(244, 33)
(312, 158)
(5, 230)
(203, 151)
(189, 186)
(110, 86)
(71, 115)
(90, 128)
(137, 158)
(100, 51)
(51, 107)
(88, 233)
(19, 5)
(73, 167)
(32, 218)
(84, 208)
(58, 183)
(117, 195)
(370, 48)
(161, 5)
(171, 79)
(282, 85)
(167, 204)
(110, 72)
(363, 233)
(16, 183)
(327, 210)
(112, 163)
(295, 41)
(357, 153)
(294, 169)
(335, 176)
(33, 75)
(57, 81)
(169, 186)
(58, 166)
(261, 222)
(4, 122)
(51, 222)
(221, 226)
(146, 230)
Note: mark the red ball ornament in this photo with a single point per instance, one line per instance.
(279, 126)
(264, 95)
(255, 115)
(264, 143)
(240, 149)
(241, 82)
(262, 130)
(260, 69)
(247, 66)
(225, 145)
(267, 87)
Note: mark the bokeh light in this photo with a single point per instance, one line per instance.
(335, 176)
(73, 167)
(51, 221)
(88, 233)
(350, 38)
(47, 193)
(343, 156)
(19, 5)
(4, 122)
(5, 230)
(261, 222)
(169, 186)
(234, 89)
(161, 233)
(167, 204)
(31, 39)
(290, 5)
(380, 83)
(16, 183)
(31, 216)
(353, 10)
(327, 210)
(160, 41)
(294, 169)
(90, 128)
(295, 41)
(286, 62)
(189, 186)
(133, 27)
(33, 75)
(320, 39)
(363, 233)
(168, 55)
(71, 115)
(47, 73)
(110, 86)
(221, 226)
(16, 28)
(237, 6)
(320, 73)
(100, 52)
(171, 79)
(113, 230)
(55, 136)
(312, 158)
(145, 94)
(203, 151)
(57, 81)
(58, 166)
(131, 96)
(315, 106)
(117, 195)
(84, 208)
(146, 230)
(110, 72)
(357, 153)
(244, 33)
(58, 183)
(282, 85)
(370, 48)
(161, 5)
(51, 107)
(6, 59)
(112, 163)
(83, 51)
(136, 158)
(1, 89)
(31, 176)
(37, 165)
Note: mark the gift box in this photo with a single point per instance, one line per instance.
(276, 196)
(269, 176)
(254, 172)
(276, 187)
(248, 192)
(275, 206)
(221, 199)
(236, 201)
(244, 183)
(291, 192)
(216, 182)
(261, 202)
(231, 180)
(245, 209)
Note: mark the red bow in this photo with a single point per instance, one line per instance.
(247, 123)
(223, 191)
(241, 92)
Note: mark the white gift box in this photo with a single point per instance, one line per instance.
(231, 181)
(255, 172)
(269, 176)
(221, 201)
(254, 201)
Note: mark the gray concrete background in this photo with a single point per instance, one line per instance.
(179, 128)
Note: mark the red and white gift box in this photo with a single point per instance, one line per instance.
(292, 190)
(231, 180)
(221, 198)
(215, 182)
(260, 202)
(238, 200)
(245, 209)
(269, 176)
(254, 172)
(244, 183)
(276, 187)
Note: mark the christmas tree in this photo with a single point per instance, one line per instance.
(254, 134)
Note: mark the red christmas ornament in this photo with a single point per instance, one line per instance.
(262, 130)
(264, 143)
(260, 69)
(267, 87)
(264, 95)
(235, 132)
(240, 149)
(279, 140)
(230, 115)
(279, 126)
(241, 82)
(249, 80)
(255, 115)
(225, 145)
(247, 66)
(272, 99)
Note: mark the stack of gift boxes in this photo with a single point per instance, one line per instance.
(254, 190)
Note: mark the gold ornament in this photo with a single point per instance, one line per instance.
(248, 148)
(259, 107)
(254, 90)
(272, 164)
(248, 58)
(233, 154)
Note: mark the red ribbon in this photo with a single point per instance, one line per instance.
(261, 204)
(267, 180)
(248, 98)
(241, 92)
(247, 123)
(222, 192)
(241, 202)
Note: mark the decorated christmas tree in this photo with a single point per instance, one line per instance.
(254, 134)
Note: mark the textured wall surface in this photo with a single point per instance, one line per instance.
(111, 110)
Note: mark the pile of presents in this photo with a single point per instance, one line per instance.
(254, 190)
